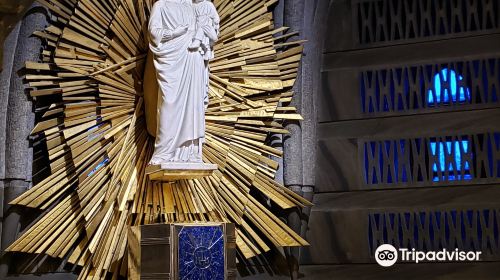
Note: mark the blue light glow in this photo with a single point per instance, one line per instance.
(442, 92)
(454, 168)
(101, 164)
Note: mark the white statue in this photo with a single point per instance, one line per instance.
(182, 73)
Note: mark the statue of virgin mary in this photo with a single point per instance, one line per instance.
(182, 75)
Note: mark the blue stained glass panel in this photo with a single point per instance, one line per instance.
(442, 93)
(441, 149)
(201, 253)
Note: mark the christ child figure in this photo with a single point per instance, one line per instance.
(207, 27)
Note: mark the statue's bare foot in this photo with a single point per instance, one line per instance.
(195, 44)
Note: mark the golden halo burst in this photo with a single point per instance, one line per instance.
(98, 145)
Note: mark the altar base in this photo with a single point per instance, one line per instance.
(182, 251)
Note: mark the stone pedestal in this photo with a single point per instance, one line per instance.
(172, 171)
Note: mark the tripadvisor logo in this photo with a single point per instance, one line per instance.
(386, 255)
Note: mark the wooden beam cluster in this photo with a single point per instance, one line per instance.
(98, 145)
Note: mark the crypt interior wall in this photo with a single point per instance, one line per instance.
(407, 126)
(353, 210)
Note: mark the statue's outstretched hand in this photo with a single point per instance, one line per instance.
(180, 30)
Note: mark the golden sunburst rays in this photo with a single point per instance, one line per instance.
(98, 145)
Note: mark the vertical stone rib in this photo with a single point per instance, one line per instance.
(276, 140)
(310, 87)
(9, 44)
(292, 143)
(307, 17)
(20, 115)
(315, 18)
(19, 123)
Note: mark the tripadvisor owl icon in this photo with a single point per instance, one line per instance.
(386, 255)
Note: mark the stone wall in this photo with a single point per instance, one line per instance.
(18, 21)
(307, 18)
(17, 115)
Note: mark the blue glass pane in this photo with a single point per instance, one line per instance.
(201, 253)
(455, 168)
(442, 93)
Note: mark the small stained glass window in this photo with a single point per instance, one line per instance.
(448, 87)
(455, 168)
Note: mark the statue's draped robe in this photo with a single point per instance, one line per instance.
(183, 84)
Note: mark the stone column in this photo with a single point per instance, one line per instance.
(300, 145)
(292, 143)
(10, 43)
(276, 140)
(19, 123)
(314, 28)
